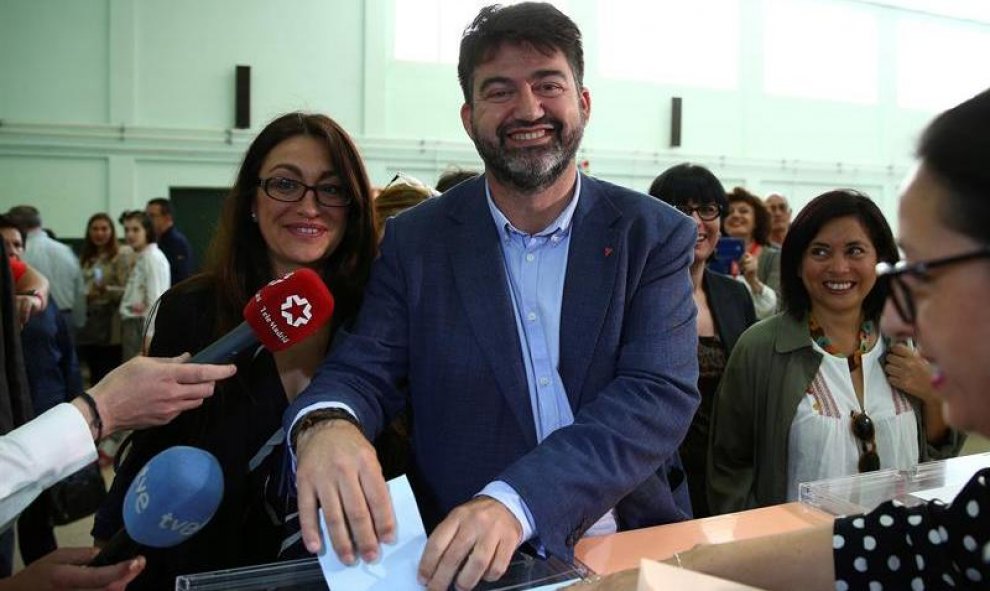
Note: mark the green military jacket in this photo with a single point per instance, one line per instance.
(765, 378)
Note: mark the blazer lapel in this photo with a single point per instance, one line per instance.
(592, 263)
(479, 275)
(723, 310)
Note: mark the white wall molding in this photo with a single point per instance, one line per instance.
(229, 145)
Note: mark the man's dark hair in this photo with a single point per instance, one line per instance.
(537, 24)
(163, 203)
(813, 217)
(26, 217)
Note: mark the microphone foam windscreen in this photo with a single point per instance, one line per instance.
(173, 496)
(289, 309)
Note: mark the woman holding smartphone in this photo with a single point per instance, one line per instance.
(758, 266)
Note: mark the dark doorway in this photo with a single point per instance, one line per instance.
(196, 211)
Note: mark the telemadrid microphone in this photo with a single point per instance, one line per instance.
(283, 312)
(173, 497)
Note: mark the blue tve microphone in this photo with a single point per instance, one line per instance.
(173, 497)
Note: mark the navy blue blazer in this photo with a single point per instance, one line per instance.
(437, 329)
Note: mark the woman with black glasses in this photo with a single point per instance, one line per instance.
(805, 396)
(301, 200)
(725, 308)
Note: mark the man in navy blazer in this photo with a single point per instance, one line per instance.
(540, 324)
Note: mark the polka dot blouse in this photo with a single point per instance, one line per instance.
(931, 546)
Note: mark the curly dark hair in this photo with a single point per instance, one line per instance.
(761, 227)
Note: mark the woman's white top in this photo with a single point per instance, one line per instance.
(148, 280)
(821, 442)
(764, 304)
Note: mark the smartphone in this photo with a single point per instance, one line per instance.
(727, 251)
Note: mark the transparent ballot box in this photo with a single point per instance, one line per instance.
(864, 492)
(525, 572)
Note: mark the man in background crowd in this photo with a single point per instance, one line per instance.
(780, 218)
(173, 243)
(56, 262)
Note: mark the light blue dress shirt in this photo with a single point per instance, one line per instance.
(535, 268)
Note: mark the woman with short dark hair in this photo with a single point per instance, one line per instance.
(725, 308)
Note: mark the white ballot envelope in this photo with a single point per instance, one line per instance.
(396, 567)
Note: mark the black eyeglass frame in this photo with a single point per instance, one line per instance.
(346, 198)
(900, 291)
(689, 210)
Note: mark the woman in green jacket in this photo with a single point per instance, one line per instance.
(815, 391)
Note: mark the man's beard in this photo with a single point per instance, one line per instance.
(534, 168)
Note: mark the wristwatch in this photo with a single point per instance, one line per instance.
(320, 415)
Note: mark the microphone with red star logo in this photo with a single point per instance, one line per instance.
(284, 312)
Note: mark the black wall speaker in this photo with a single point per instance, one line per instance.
(675, 121)
(242, 98)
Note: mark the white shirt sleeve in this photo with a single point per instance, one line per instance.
(159, 277)
(38, 454)
(765, 304)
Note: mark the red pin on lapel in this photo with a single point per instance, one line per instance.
(608, 251)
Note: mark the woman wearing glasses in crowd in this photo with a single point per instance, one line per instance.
(725, 308)
(301, 200)
(805, 395)
(938, 298)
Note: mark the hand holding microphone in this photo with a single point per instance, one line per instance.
(283, 312)
(173, 497)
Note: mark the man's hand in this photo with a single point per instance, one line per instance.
(481, 534)
(338, 470)
(148, 391)
(65, 569)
